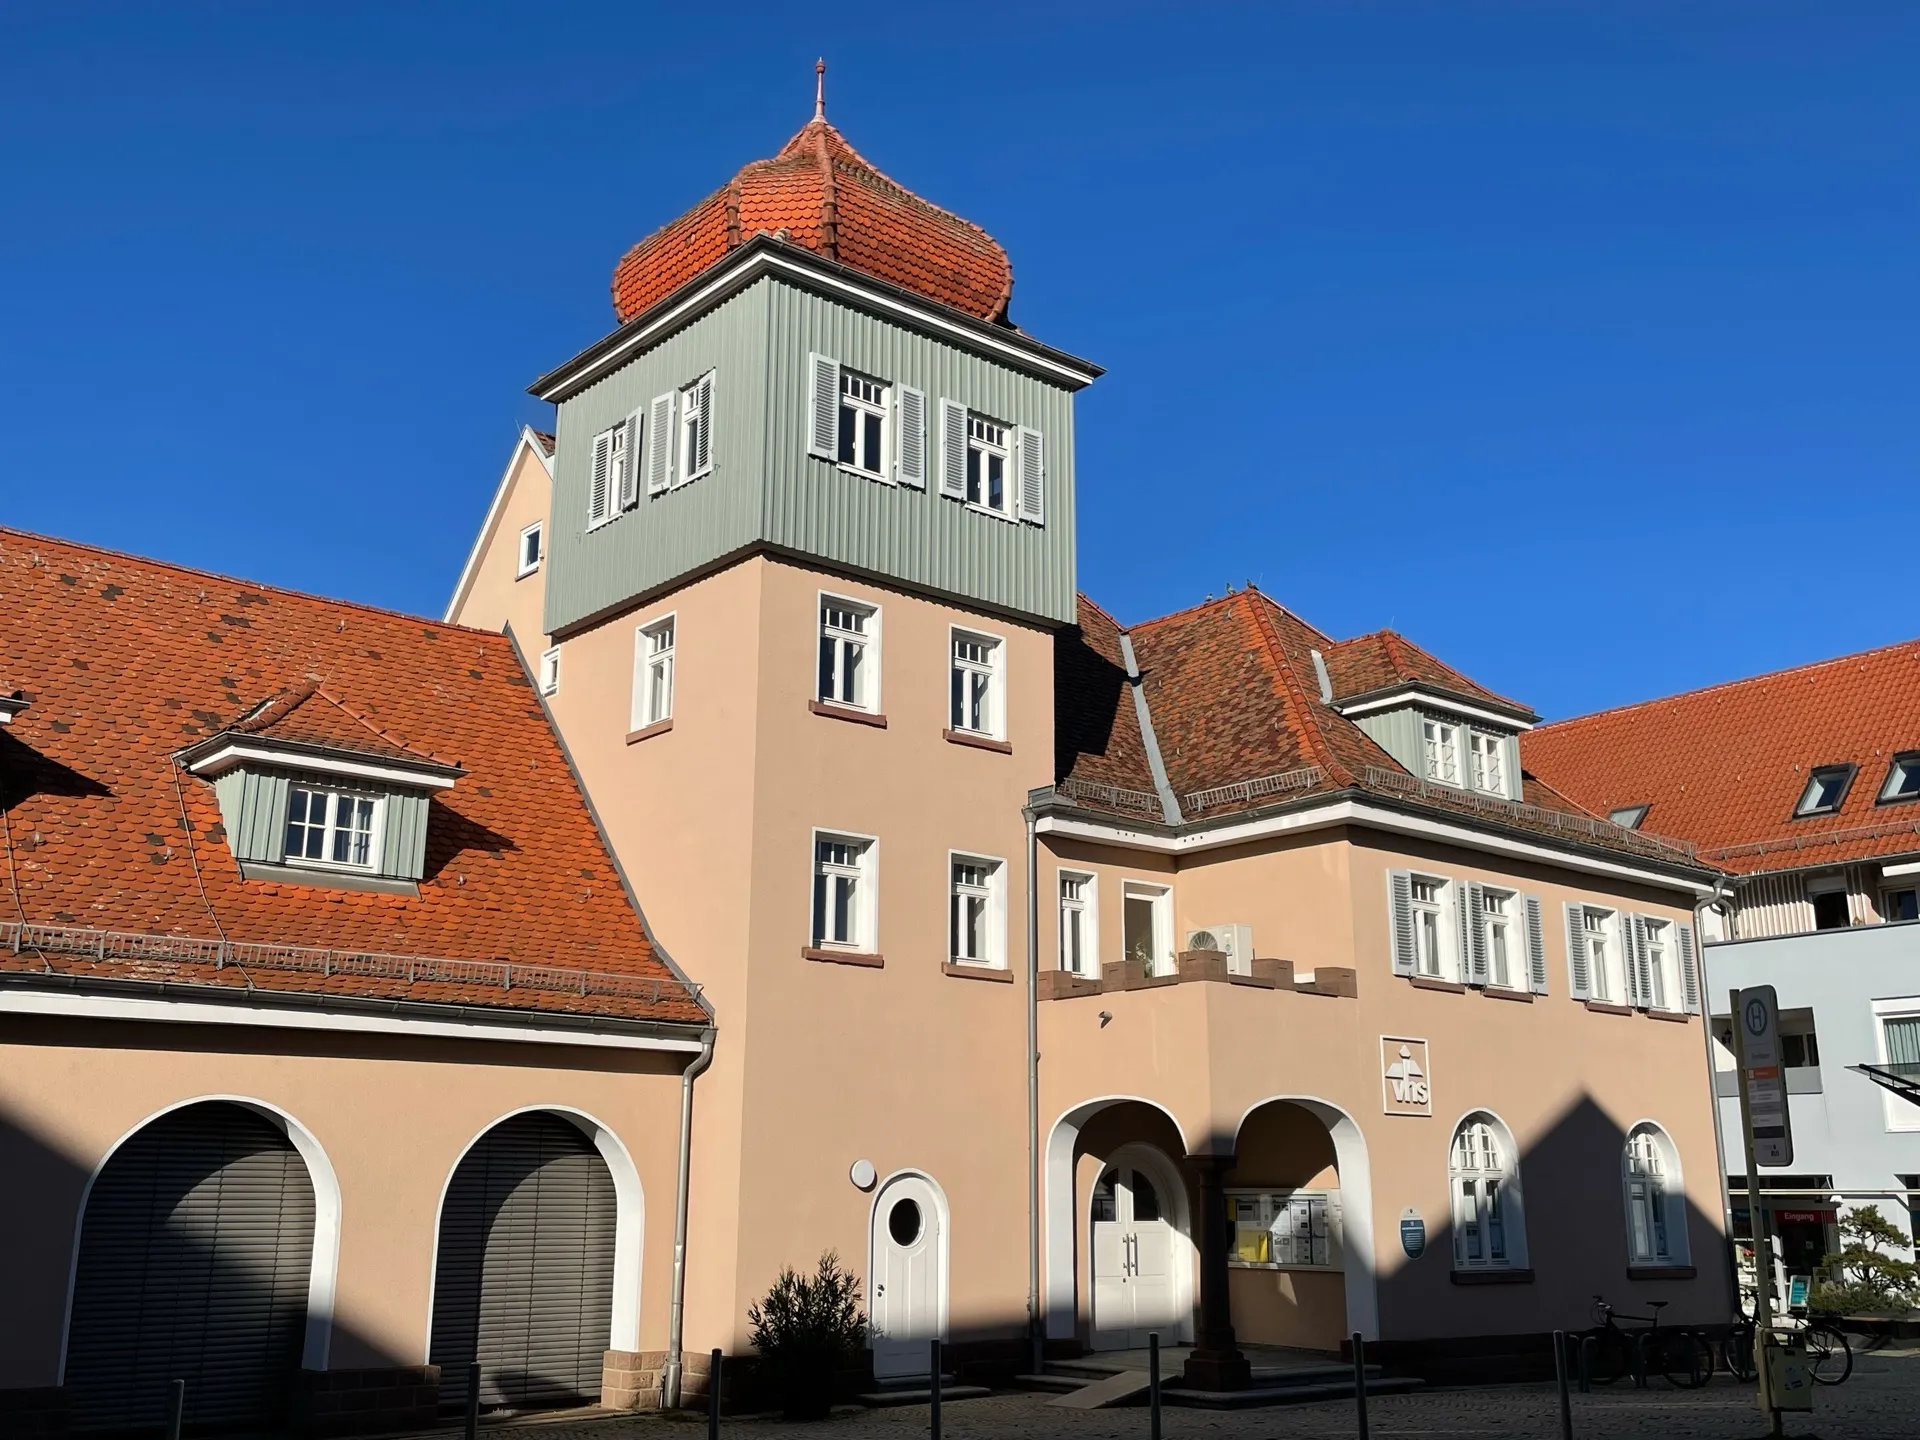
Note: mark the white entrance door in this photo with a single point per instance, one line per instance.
(909, 1278)
(1135, 1287)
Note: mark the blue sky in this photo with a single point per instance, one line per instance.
(1575, 341)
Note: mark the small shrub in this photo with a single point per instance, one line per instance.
(807, 1328)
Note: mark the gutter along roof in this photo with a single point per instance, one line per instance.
(1243, 732)
(117, 862)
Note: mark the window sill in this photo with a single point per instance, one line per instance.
(843, 957)
(1661, 1272)
(647, 732)
(1494, 1275)
(1607, 1007)
(528, 574)
(980, 509)
(1678, 1017)
(327, 879)
(1277, 1265)
(859, 474)
(977, 742)
(961, 971)
(847, 712)
(1433, 982)
(1501, 992)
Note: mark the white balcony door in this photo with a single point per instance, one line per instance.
(1140, 1284)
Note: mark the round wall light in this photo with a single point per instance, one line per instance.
(862, 1175)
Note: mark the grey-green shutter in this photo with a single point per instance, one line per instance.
(1689, 981)
(1577, 984)
(253, 807)
(823, 406)
(630, 476)
(1634, 927)
(660, 443)
(1477, 934)
(910, 436)
(953, 450)
(1516, 788)
(1030, 476)
(1400, 920)
(403, 835)
(1536, 946)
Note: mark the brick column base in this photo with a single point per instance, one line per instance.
(630, 1379)
(329, 1403)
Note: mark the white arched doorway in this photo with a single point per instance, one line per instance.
(906, 1274)
(1139, 1250)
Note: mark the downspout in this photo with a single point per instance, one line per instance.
(671, 1371)
(1721, 891)
(1036, 1323)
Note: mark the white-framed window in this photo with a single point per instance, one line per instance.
(976, 925)
(1663, 965)
(696, 429)
(1079, 923)
(1488, 754)
(988, 450)
(1900, 904)
(607, 481)
(530, 552)
(1432, 949)
(333, 827)
(1440, 740)
(1656, 1204)
(1605, 960)
(550, 671)
(1285, 1229)
(653, 672)
(1146, 923)
(1826, 790)
(1501, 923)
(976, 698)
(849, 653)
(863, 424)
(1896, 1023)
(1489, 1230)
(844, 889)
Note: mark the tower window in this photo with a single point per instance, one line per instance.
(849, 653)
(976, 702)
(863, 424)
(987, 464)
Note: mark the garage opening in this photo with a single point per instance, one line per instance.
(196, 1249)
(524, 1277)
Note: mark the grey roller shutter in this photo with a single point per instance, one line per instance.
(823, 406)
(1633, 929)
(953, 450)
(1536, 947)
(196, 1250)
(524, 1275)
(1577, 966)
(1476, 926)
(1689, 981)
(1400, 920)
(910, 422)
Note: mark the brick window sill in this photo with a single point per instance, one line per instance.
(1428, 982)
(847, 712)
(647, 732)
(1509, 1275)
(977, 742)
(1607, 1007)
(1500, 992)
(1677, 1017)
(843, 957)
(977, 972)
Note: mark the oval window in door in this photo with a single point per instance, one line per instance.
(903, 1222)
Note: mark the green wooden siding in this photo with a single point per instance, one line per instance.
(766, 490)
(403, 845)
(1398, 733)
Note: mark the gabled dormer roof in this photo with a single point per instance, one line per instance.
(1374, 671)
(306, 727)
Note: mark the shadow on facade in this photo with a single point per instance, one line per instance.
(25, 773)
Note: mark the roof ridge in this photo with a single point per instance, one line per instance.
(1105, 614)
(1783, 673)
(178, 568)
(1209, 603)
(1290, 613)
(1294, 701)
(362, 719)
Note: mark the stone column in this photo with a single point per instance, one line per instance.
(1216, 1362)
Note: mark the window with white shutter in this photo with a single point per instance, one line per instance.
(1578, 970)
(600, 479)
(1536, 947)
(1400, 920)
(1689, 981)
(628, 488)
(660, 443)
(953, 450)
(696, 430)
(910, 436)
(823, 406)
(1030, 471)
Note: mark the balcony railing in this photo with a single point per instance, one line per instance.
(1280, 783)
(1114, 796)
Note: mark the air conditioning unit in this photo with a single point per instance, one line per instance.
(1236, 940)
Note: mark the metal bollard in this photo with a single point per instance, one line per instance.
(1153, 1384)
(935, 1410)
(1360, 1384)
(176, 1408)
(1560, 1375)
(713, 1396)
(473, 1401)
(1586, 1364)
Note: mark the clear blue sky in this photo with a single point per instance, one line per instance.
(1577, 342)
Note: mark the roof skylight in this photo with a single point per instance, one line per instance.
(1629, 817)
(1826, 790)
(1903, 778)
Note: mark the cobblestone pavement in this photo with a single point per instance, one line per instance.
(1880, 1402)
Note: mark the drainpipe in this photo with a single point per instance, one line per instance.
(1036, 1324)
(670, 1372)
(1721, 891)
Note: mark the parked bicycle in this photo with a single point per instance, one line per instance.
(1829, 1353)
(1680, 1355)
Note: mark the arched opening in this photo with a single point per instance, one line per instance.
(196, 1261)
(1300, 1208)
(1489, 1214)
(907, 1274)
(530, 1260)
(1655, 1198)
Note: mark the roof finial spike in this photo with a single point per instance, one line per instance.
(820, 88)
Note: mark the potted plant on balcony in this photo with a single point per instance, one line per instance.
(806, 1330)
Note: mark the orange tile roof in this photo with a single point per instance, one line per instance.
(1725, 767)
(822, 193)
(1386, 659)
(1239, 723)
(128, 660)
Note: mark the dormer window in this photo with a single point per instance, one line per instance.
(1629, 817)
(1903, 779)
(1489, 762)
(1826, 790)
(331, 827)
(1441, 741)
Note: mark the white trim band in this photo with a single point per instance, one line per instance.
(237, 753)
(1401, 699)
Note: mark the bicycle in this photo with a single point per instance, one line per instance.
(1829, 1353)
(1680, 1356)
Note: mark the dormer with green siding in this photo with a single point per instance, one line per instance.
(815, 363)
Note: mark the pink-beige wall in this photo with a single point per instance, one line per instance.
(393, 1116)
(497, 595)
